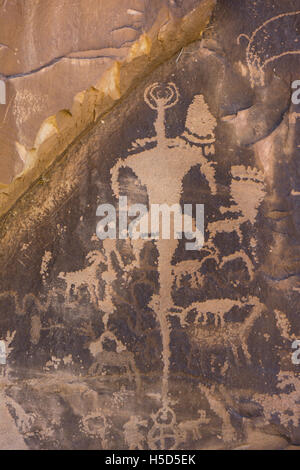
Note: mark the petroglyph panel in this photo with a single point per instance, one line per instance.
(140, 343)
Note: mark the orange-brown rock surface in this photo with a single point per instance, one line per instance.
(124, 343)
(50, 51)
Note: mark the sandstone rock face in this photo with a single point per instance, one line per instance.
(143, 344)
(51, 51)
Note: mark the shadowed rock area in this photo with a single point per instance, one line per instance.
(143, 344)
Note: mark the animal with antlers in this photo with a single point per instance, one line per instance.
(86, 278)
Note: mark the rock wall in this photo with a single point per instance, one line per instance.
(51, 51)
(143, 344)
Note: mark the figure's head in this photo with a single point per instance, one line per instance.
(161, 95)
